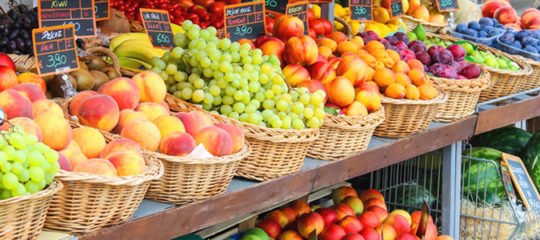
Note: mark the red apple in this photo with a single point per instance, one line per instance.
(343, 210)
(370, 193)
(341, 193)
(310, 222)
(329, 215)
(370, 234)
(272, 228)
(369, 219)
(279, 217)
(333, 232)
(351, 224)
(353, 236)
(6, 61)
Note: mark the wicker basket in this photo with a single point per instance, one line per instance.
(89, 202)
(275, 152)
(106, 53)
(347, 29)
(341, 136)
(23, 63)
(462, 96)
(411, 23)
(532, 80)
(187, 179)
(404, 117)
(23, 217)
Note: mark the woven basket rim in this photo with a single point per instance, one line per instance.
(53, 187)
(464, 85)
(353, 122)
(346, 26)
(244, 152)
(407, 17)
(153, 171)
(439, 99)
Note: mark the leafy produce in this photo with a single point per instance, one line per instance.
(508, 139)
(530, 158)
(481, 181)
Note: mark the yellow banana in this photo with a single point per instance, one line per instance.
(137, 49)
(118, 40)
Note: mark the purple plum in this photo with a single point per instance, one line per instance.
(402, 37)
(369, 36)
(443, 70)
(423, 57)
(471, 71)
(457, 51)
(391, 39)
(401, 45)
(433, 49)
(406, 55)
(444, 56)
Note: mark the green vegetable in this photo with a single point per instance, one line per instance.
(480, 180)
(530, 158)
(511, 140)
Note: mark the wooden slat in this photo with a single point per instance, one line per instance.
(507, 114)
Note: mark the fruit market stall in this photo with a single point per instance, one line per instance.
(157, 119)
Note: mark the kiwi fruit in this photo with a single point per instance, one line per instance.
(59, 86)
(82, 65)
(111, 72)
(100, 78)
(85, 81)
(95, 63)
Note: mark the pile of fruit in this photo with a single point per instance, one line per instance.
(507, 15)
(523, 42)
(134, 50)
(352, 217)
(16, 30)
(484, 31)
(237, 81)
(423, 10)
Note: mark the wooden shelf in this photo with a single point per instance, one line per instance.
(156, 221)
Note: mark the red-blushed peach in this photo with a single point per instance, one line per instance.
(506, 15)
(333, 232)
(431, 232)
(388, 231)
(271, 227)
(236, 134)
(64, 162)
(356, 108)
(30, 91)
(273, 46)
(322, 71)
(9, 78)
(289, 235)
(530, 20)
(308, 223)
(279, 217)
(290, 213)
(99, 111)
(73, 154)
(127, 163)
(145, 133)
(177, 144)
(379, 211)
(351, 224)
(124, 91)
(489, 7)
(301, 207)
(193, 121)
(152, 110)
(126, 116)
(340, 91)
(370, 99)
(329, 215)
(42, 106)
(217, 141)
(78, 99)
(399, 222)
(300, 50)
(341, 193)
(353, 236)
(32, 78)
(369, 194)
(403, 213)
(370, 234)
(369, 219)
(97, 166)
(444, 237)
(286, 27)
(167, 124)
(151, 86)
(55, 131)
(353, 68)
(90, 141)
(121, 144)
(355, 203)
(343, 210)
(295, 74)
(28, 126)
(375, 202)
(15, 104)
(415, 220)
(407, 236)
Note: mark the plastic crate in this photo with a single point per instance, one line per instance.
(512, 50)
(489, 41)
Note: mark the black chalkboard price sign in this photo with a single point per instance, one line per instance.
(299, 10)
(276, 7)
(102, 9)
(55, 50)
(244, 20)
(361, 10)
(523, 182)
(447, 5)
(158, 27)
(396, 8)
(80, 13)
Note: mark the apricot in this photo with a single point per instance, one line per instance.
(415, 64)
(99, 111)
(152, 110)
(359, 41)
(15, 104)
(151, 86)
(412, 92)
(325, 51)
(30, 91)
(417, 77)
(32, 78)
(145, 133)
(421, 12)
(42, 106)
(121, 144)
(77, 100)
(73, 153)
(340, 91)
(355, 109)
(177, 144)
(193, 121)
(373, 45)
(328, 43)
(217, 141)
(384, 77)
(55, 130)
(127, 163)
(401, 67)
(370, 99)
(368, 59)
(27, 124)
(167, 124)
(427, 92)
(124, 91)
(393, 55)
(126, 116)
(236, 133)
(395, 90)
(347, 46)
(402, 79)
(90, 141)
(97, 166)
(338, 37)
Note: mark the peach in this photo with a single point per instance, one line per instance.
(351, 224)
(528, 10)
(236, 134)
(73, 154)
(333, 232)
(384, 77)
(32, 78)
(99, 111)
(90, 141)
(421, 12)
(489, 7)
(295, 73)
(329, 215)
(369, 194)
(340, 91)
(407, 236)
(193, 121)
(347, 46)
(97, 166)
(290, 213)
(286, 27)
(325, 51)
(121, 144)
(370, 99)
(42, 106)
(444, 237)
(271, 227)
(289, 235)
(353, 236)
(64, 162)
(152, 110)
(30, 91)
(246, 41)
(177, 144)
(300, 50)
(278, 217)
(370, 234)
(399, 222)
(370, 86)
(28, 126)
(369, 219)
(55, 130)
(375, 202)
(217, 141)
(431, 232)
(341, 193)
(167, 124)
(126, 116)
(145, 133)
(355, 109)
(127, 163)
(355, 203)
(313, 86)
(273, 46)
(322, 71)
(395, 90)
(506, 15)
(343, 210)
(403, 79)
(381, 213)
(516, 26)
(352, 68)
(301, 207)
(78, 99)
(9, 78)
(403, 213)
(388, 232)
(427, 92)
(151, 86)
(15, 104)
(328, 43)
(308, 223)
(338, 37)
(124, 91)
(530, 20)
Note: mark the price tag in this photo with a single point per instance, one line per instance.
(299, 10)
(55, 50)
(361, 10)
(321, 1)
(158, 27)
(102, 9)
(523, 182)
(396, 8)
(245, 20)
(80, 13)
(447, 5)
(276, 7)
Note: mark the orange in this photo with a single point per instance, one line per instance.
(384, 77)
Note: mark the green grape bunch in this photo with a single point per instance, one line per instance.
(236, 81)
(26, 165)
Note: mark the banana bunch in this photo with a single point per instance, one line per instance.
(134, 50)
